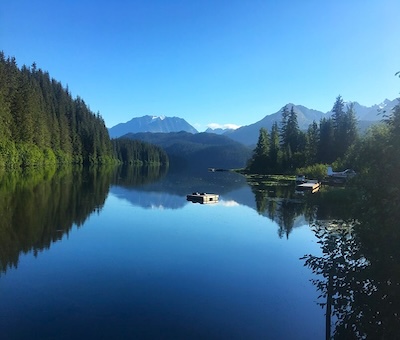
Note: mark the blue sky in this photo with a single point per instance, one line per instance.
(210, 61)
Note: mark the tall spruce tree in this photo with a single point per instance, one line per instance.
(326, 148)
(312, 142)
(350, 122)
(292, 131)
(274, 148)
(339, 125)
(283, 126)
(259, 162)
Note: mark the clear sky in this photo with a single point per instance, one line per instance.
(209, 61)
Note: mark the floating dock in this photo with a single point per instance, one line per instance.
(202, 198)
(309, 186)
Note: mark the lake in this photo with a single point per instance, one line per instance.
(123, 255)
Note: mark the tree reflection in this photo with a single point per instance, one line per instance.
(38, 208)
(280, 204)
(133, 176)
(359, 284)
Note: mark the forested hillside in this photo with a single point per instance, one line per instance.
(40, 124)
(198, 151)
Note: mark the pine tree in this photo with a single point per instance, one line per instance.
(259, 161)
(274, 148)
(312, 142)
(283, 127)
(350, 123)
(339, 125)
(326, 149)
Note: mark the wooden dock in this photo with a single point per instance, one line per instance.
(309, 186)
(202, 198)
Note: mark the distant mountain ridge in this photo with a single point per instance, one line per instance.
(219, 131)
(248, 134)
(366, 116)
(151, 124)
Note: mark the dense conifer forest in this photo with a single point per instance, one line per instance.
(41, 124)
(286, 148)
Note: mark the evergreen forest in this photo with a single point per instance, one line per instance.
(286, 148)
(375, 156)
(42, 124)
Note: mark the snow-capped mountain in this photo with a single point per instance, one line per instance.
(374, 112)
(151, 124)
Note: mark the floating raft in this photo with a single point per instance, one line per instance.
(202, 198)
(309, 186)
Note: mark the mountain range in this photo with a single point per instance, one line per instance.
(151, 124)
(366, 116)
(248, 134)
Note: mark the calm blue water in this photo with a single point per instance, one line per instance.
(148, 264)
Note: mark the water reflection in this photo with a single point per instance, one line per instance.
(358, 277)
(356, 273)
(39, 208)
(133, 176)
(170, 190)
(280, 204)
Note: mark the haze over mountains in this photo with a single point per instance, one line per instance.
(248, 134)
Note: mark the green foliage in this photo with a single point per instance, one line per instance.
(312, 143)
(377, 159)
(326, 146)
(316, 171)
(40, 123)
(289, 148)
(259, 162)
(135, 152)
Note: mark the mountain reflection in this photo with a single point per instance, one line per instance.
(356, 273)
(276, 202)
(170, 190)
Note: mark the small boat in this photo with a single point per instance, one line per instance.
(202, 197)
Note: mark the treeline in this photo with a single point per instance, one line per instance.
(41, 124)
(376, 157)
(138, 153)
(286, 148)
